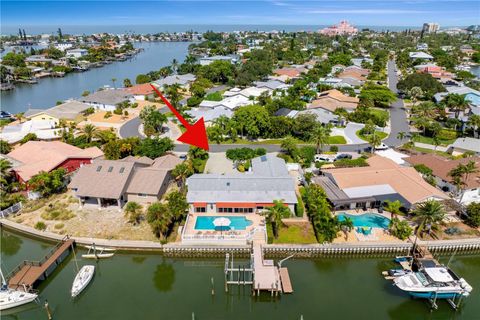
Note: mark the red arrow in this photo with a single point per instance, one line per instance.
(196, 135)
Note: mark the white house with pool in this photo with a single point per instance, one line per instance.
(226, 207)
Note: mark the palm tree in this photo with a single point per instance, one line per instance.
(375, 140)
(174, 65)
(415, 93)
(401, 135)
(393, 207)
(20, 117)
(455, 102)
(133, 212)
(422, 123)
(89, 131)
(113, 81)
(460, 175)
(320, 136)
(275, 214)
(474, 121)
(5, 167)
(182, 171)
(429, 214)
(346, 226)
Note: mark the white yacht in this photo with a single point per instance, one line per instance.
(82, 279)
(10, 298)
(434, 283)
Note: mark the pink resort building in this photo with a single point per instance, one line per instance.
(343, 28)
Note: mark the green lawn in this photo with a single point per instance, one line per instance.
(381, 113)
(293, 234)
(332, 140)
(214, 96)
(429, 140)
(381, 134)
(425, 150)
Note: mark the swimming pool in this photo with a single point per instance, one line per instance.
(236, 223)
(366, 220)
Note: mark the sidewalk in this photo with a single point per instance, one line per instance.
(431, 147)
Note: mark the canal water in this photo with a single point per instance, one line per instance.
(48, 91)
(149, 286)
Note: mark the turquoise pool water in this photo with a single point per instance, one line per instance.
(473, 98)
(366, 220)
(236, 223)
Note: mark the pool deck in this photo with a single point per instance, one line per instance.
(189, 228)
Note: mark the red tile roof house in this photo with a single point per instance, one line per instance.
(141, 91)
(37, 156)
(289, 72)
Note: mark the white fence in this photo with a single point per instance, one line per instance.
(12, 209)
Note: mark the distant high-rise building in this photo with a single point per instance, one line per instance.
(430, 27)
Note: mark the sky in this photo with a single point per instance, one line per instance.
(267, 12)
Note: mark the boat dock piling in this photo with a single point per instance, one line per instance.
(28, 274)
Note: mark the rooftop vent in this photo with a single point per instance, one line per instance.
(110, 169)
(99, 168)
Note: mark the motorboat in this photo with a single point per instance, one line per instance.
(82, 279)
(433, 283)
(11, 298)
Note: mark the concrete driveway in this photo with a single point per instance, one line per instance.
(350, 133)
(218, 163)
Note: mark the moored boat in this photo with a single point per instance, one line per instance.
(11, 298)
(82, 279)
(433, 283)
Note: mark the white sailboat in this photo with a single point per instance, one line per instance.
(95, 252)
(82, 279)
(10, 298)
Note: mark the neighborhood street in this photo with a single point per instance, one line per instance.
(398, 115)
(398, 123)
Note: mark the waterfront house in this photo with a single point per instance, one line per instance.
(441, 167)
(38, 156)
(183, 80)
(76, 53)
(205, 61)
(70, 110)
(107, 99)
(462, 145)
(370, 186)
(114, 182)
(247, 192)
(210, 114)
(249, 92)
(434, 70)
(271, 85)
(141, 91)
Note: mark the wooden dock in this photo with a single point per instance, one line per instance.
(285, 280)
(29, 274)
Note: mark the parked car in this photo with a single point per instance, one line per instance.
(183, 157)
(322, 158)
(382, 146)
(343, 156)
(5, 115)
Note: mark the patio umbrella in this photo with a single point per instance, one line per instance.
(221, 222)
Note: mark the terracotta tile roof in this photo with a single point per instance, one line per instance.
(37, 156)
(333, 99)
(442, 166)
(352, 74)
(290, 72)
(140, 89)
(406, 181)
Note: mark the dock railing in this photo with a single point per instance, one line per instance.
(37, 263)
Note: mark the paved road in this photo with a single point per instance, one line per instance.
(130, 129)
(398, 115)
